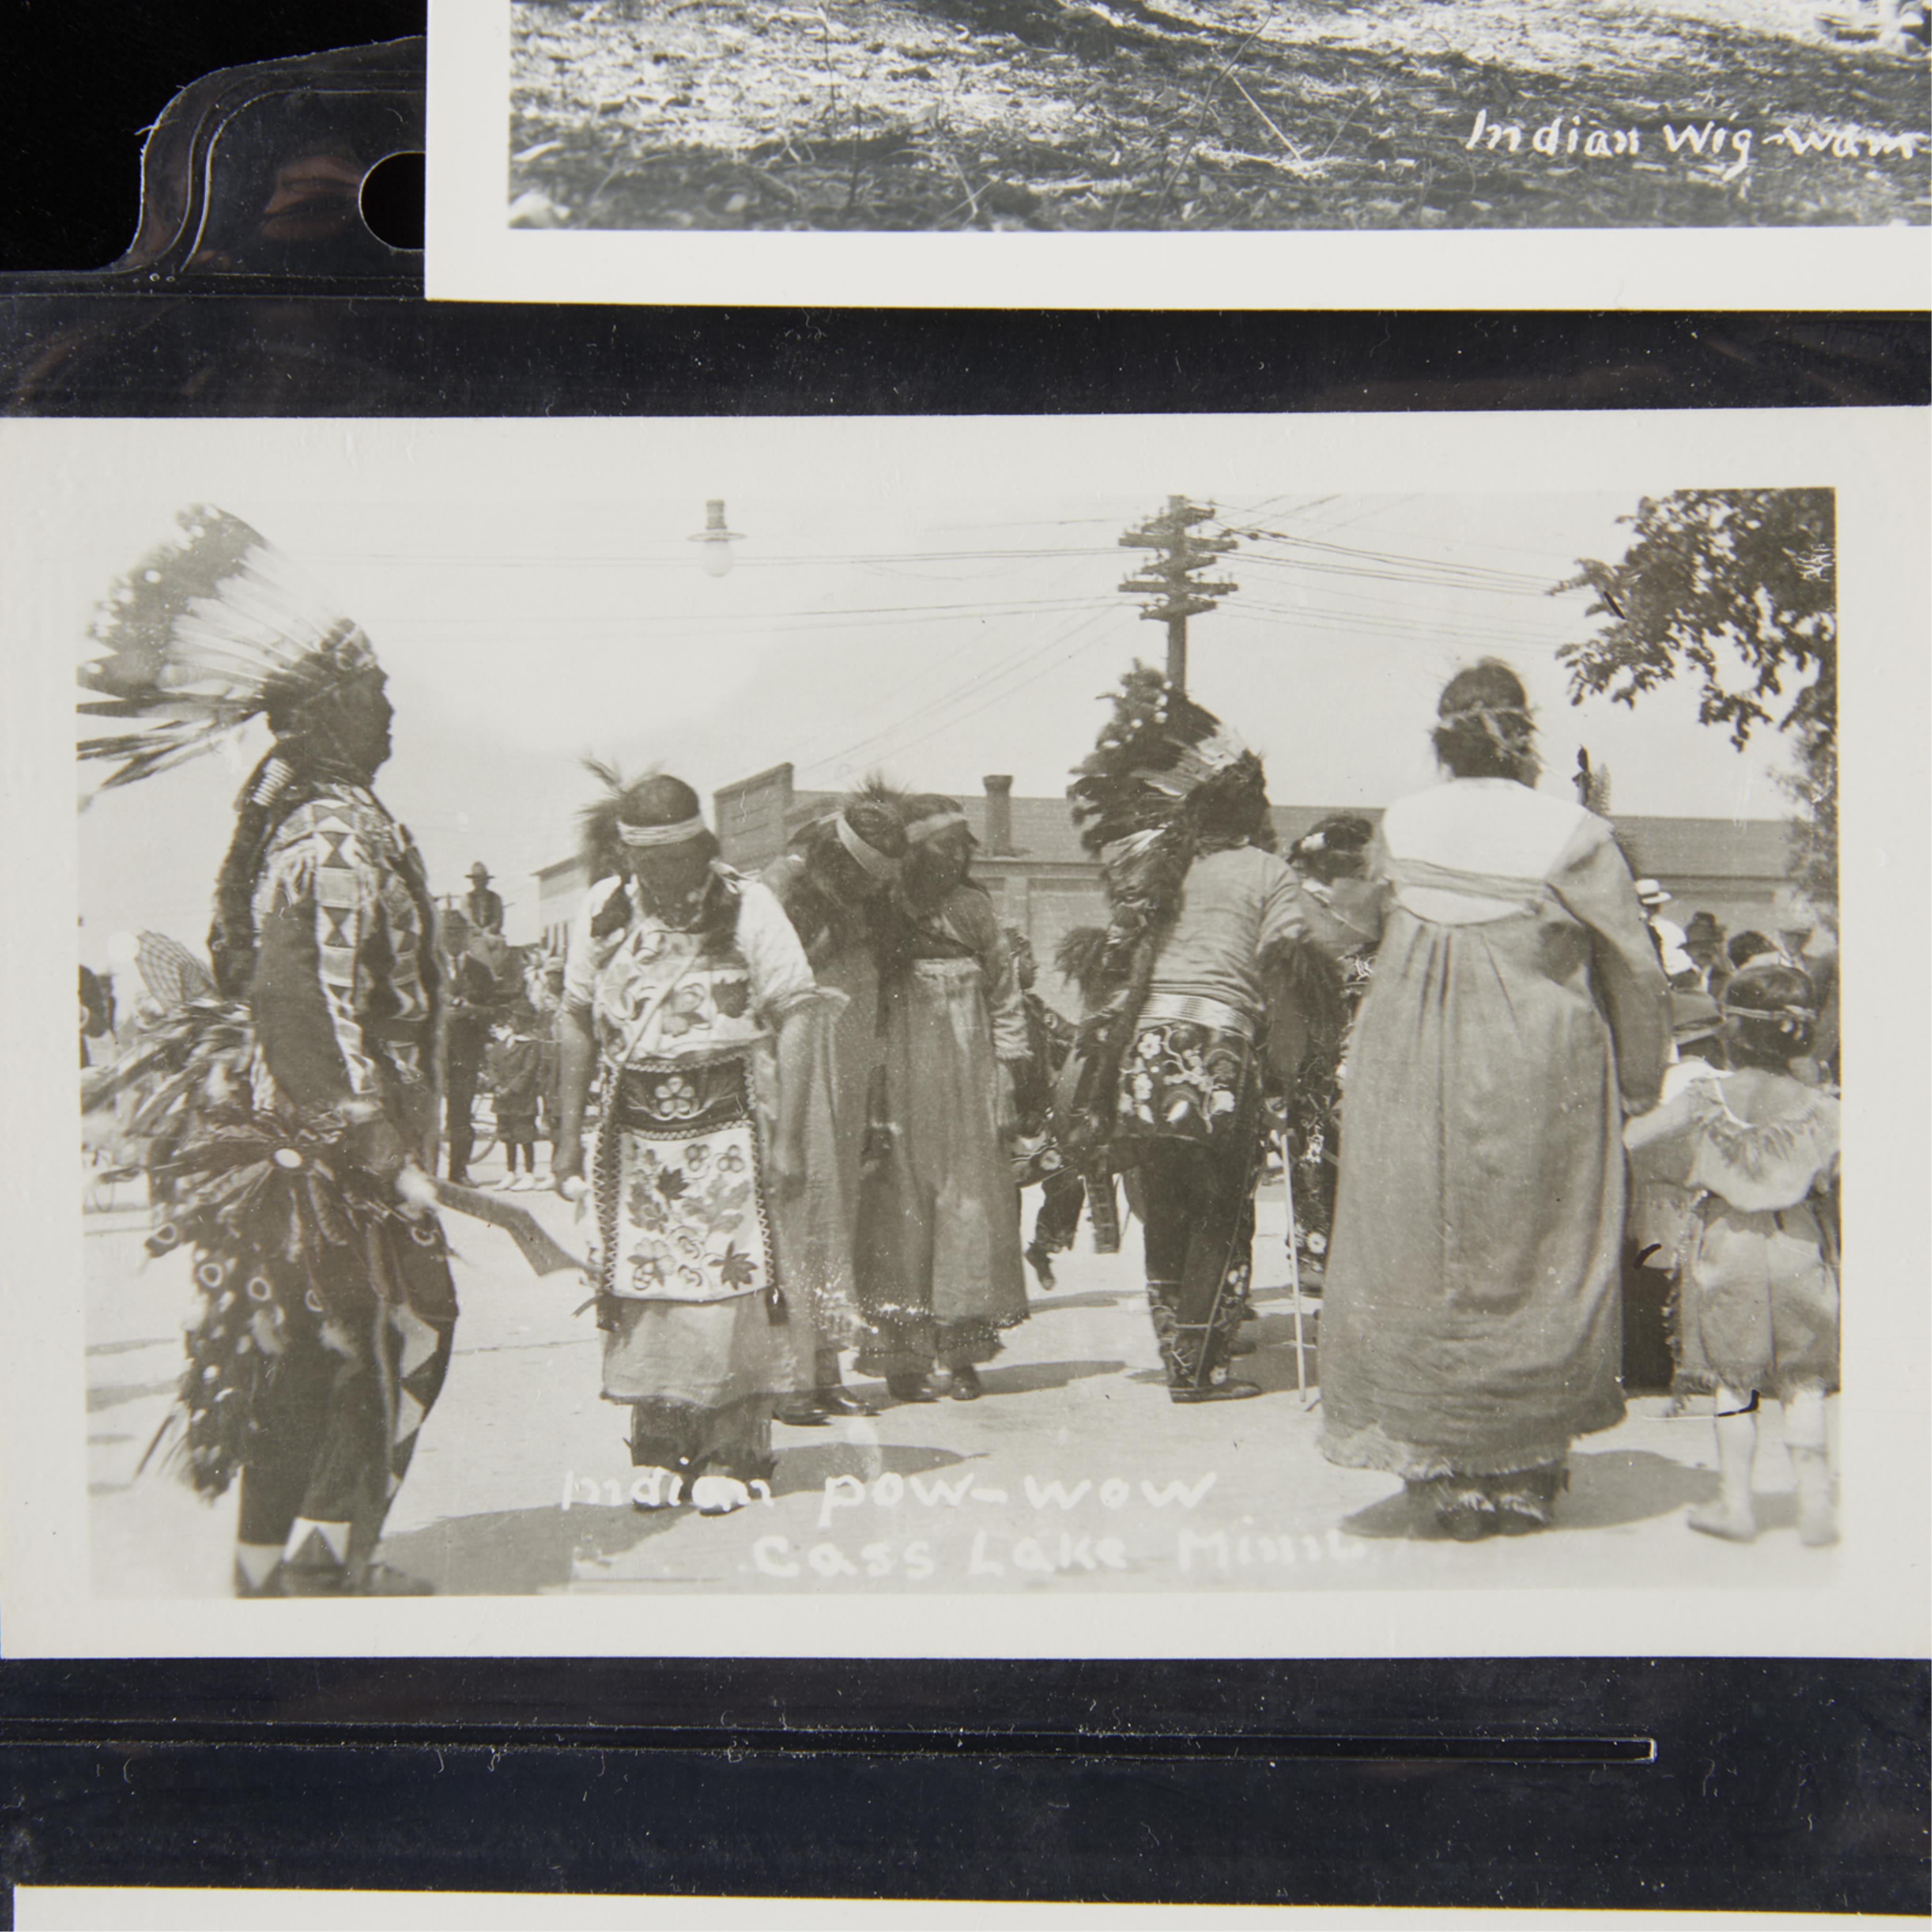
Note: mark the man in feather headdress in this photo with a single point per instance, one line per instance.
(297, 1095)
(1222, 958)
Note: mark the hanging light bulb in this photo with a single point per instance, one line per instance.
(717, 539)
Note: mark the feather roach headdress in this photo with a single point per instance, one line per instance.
(209, 629)
(1166, 782)
(1158, 750)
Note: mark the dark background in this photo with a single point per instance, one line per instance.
(1792, 1785)
(84, 79)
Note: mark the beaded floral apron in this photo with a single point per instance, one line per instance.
(682, 1210)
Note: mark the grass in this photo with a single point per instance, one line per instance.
(991, 114)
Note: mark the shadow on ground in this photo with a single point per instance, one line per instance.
(1029, 1377)
(1612, 1486)
(1271, 1367)
(809, 1469)
(520, 1552)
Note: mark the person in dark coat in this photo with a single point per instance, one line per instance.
(472, 1002)
(483, 908)
(1037, 1157)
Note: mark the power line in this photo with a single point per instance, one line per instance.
(1015, 662)
(670, 560)
(631, 623)
(1173, 580)
(1323, 568)
(1001, 696)
(1013, 659)
(1395, 622)
(1320, 618)
(1518, 581)
(1267, 503)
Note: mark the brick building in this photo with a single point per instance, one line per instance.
(1029, 859)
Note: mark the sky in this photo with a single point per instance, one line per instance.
(887, 609)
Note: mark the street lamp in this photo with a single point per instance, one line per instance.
(716, 557)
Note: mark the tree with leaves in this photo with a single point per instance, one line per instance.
(1739, 590)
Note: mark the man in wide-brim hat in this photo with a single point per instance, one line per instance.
(484, 907)
(1704, 942)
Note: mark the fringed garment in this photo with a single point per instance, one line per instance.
(1758, 1285)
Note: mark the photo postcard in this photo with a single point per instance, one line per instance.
(1182, 1037)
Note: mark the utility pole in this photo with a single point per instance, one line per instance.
(1171, 580)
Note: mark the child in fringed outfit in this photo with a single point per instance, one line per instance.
(1760, 1298)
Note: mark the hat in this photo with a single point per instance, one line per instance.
(1704, 925)
(480, 873)
(1651, 893)
(1694, 1016)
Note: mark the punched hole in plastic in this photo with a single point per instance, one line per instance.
(392, 200)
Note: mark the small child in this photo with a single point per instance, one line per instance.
(512, 1068)
(1758, 1314)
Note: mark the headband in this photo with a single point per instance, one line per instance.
(1492, 717)
(1785, 1016)
(636, 836)
(867, 858)
(921, 829)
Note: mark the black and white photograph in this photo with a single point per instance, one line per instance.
(954, 1031)
(955, 115)
(616, 148)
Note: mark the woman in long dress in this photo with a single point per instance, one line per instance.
(836, 883)
(938, 1243)
(1470, 1325)
(689, 983)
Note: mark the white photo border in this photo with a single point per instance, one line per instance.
(473, 255)
(1876, 1603)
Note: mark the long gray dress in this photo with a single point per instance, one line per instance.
(1471, 1320)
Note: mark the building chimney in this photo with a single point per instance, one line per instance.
(999, 816)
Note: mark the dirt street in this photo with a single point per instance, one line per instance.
(1073, 1472)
